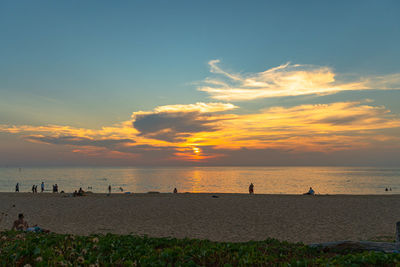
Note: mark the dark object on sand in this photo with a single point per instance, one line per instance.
(358, 246)
(214, 196)
(153, 192)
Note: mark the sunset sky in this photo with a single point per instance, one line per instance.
(127, 83)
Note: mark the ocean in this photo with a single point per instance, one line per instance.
(266, 180)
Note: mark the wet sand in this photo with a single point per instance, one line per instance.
(230, 217)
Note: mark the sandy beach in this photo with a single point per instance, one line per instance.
(229, 217)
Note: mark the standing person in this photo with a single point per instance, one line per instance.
(33, 189)
(17, 187)
(56, 188)
(109, 189)
(42, 187)
(251, 189)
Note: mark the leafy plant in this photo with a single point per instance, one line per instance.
(19, 249)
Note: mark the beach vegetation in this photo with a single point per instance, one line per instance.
(40, 249)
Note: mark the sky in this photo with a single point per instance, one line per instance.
(204, 83)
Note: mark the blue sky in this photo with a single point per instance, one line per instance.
(92, 63)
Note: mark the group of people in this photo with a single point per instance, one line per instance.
(310, 191)
(251, 190)
(78, 193)
(175, 191)
(34, 188)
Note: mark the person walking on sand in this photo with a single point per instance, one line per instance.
(17, 187)
(251, 189)
(42, 187)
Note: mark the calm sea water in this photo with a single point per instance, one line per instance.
(268, 180)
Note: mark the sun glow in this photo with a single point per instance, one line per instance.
(196, 150)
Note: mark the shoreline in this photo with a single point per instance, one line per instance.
(227, 217)
(155, 193)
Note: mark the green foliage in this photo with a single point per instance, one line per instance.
(19, 249)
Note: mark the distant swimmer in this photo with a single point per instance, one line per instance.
(251, 189)
(310, 192)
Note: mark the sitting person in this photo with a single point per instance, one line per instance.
(310, 192)
(175, 191)
(22, 225)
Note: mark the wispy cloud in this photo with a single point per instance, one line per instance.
(287, 80)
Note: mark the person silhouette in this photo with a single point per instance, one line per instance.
(310, 192)
(251, 188)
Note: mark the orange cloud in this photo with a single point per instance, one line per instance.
(199, 132)
(287, 80)
(324, 127)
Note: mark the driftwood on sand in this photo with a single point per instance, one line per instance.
(364, 245)
(360, 245)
